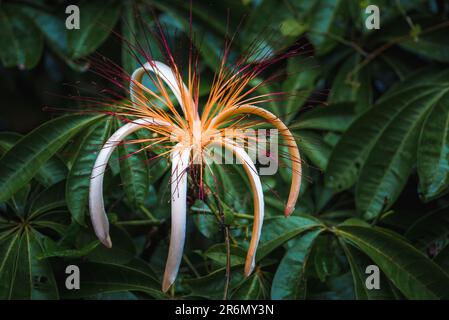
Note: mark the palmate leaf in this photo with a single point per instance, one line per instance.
(334, 117)
(415, 275)
(433, 152)
(49, 199)
(211, 286)
(391, 160)
(304, 74)
(217, 253)
(97, 19)
(351, 86)
(290, 279)
(434, 45)
(23, 41)
(98, 278)
(20, 164)
(51, 172)
(379, 148)
(352, 150)
(278, 230)
(324, 17)
(255, 287)
(313, 146)
(22, 275)
(358, 263)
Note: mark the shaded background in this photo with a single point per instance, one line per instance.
(375, 177)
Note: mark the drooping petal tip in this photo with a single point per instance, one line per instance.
(107, 242)
(249, 267)
(289, 210)
(166, 284)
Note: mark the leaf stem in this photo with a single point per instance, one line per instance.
(228, 263)
(147, 213)
(138, 222)
(191, 266)
(243, 216)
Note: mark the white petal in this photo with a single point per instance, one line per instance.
(257, 190)
(166, 74)
(288, 138)
(180, 163)
(96, 204)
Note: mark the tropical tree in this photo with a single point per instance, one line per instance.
(368, 108)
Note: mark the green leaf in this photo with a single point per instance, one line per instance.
(71, 253)
(211, 286)
(217, 253)
(55, 33)
(22, 275)
(106, 277)
(429, 228)
(23, 43)
(416, 276)
(352, 150)
(53, 171)
(324, 19)
(47, 200)
(123, 248)
(379, 148)
(207, 224)
(128, 25)
(231, 183)
(292, 28)
(391, 160)
(97, 19)
(325, 259)
(134, 171)
(277, 230)
(290, 280)
(314, 147)
(352, 85)
(433, 152)
(358, 263)
(273, 26)
(434, 46)
(442, 258)
(300, 84)
(255, 287)
(177, 19)
(335, 117)
(78, 180)
(20, 164)
(158, 167)
(9, 244)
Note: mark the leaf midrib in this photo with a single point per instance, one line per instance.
(400, 147)
(399, 266)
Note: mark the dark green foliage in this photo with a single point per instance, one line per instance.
(369, 108)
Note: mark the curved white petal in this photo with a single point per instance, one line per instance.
(180, 163)
(257, 190)
(166, 74)
(96, 203)
(288, 138)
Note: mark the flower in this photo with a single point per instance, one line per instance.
(188, 138)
